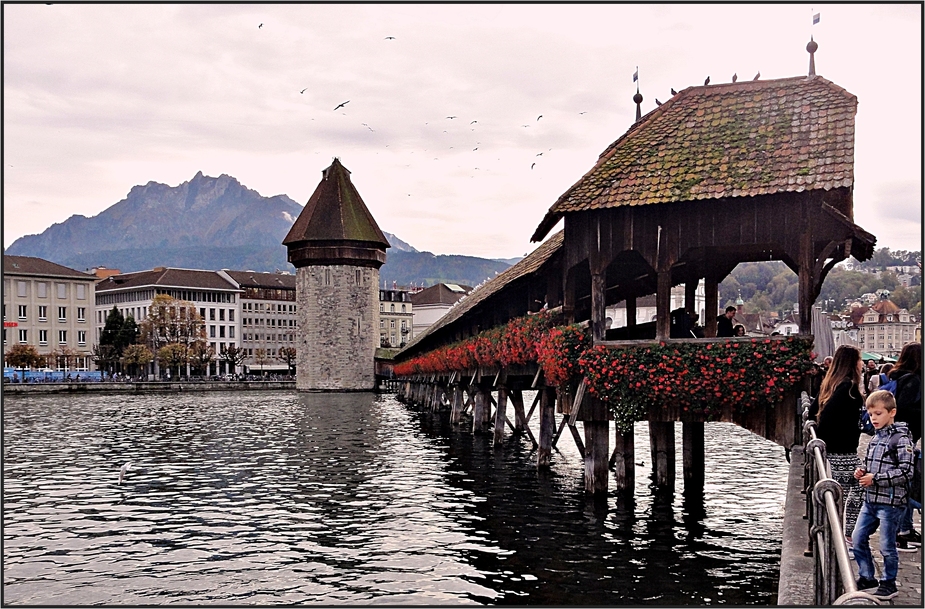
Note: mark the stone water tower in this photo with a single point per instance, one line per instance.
(337, 249)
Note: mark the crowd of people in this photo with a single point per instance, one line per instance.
(881, 490)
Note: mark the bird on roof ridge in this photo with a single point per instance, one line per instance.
(657, 103)
(707, 81)
(673, 92)
(757, 76)
(735, 77)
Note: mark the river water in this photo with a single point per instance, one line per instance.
(282, 498)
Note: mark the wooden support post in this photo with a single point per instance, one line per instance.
(661, 441)
(520, 418)
(477, 409)
(456, 412)
(663, 305)
(631, 311)
(690, 302)
(547, 397)
(598, 307)
(623, 461)
(710, 305)
(693, 456)
(597, 445)
(500, 415)
(806, 278)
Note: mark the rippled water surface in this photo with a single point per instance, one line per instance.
(281, 498)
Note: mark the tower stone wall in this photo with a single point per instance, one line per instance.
(338, 317)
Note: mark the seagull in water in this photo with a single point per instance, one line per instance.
(125, 468)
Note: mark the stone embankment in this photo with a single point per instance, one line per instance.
(142, 387)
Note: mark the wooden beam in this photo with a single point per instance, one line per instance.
(579, 396)
(500, 415)
(547, 426)
(623, 461)
(693, 456)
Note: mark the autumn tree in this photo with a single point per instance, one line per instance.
(287, 355)
(171, 321)
(201, 355)
(262, 358)
(23, 356)
(136, 356)
(173, 355)
(234, 356)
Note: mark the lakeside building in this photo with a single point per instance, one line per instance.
(396, 318)
(884, 328)
(430, 304)
(50, 307)
(268, 319)
(215, 295)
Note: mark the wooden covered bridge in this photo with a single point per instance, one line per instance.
(717, 175)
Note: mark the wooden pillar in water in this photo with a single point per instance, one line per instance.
(456, 411)
(693, 455)
(597, 444)
(501, 411)
(520, 416)
(624, 461)
(661, 441)
(547, 426)
(481, 409)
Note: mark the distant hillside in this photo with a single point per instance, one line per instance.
(215, 223)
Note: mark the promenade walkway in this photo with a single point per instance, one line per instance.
(796, 570)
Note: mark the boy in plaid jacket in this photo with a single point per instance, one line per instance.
(885, 475)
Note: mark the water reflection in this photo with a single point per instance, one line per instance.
(279, 498)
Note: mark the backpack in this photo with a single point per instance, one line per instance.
(889, 386)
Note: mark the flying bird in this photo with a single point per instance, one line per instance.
(303, 91)
(539, 154)
(259, 26)
(390, 37)
(451, 117)
(473, 122)
(657, 103)
(585, 112)
(124, 468)
(533, 165)
(368, 127)
(673, 92)
(707, 81)
(735, 77)
(342, 105)
(539, 117)
(757, 76)
(474, 149)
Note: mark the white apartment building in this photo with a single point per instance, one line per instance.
(645, 307)
(50, 307)
(396, 318)
(215, 295)
(430, 304)
(885, 328)
(268, 319)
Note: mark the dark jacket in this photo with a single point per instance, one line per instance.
(838, 422)
(724, 326)
(909, 402)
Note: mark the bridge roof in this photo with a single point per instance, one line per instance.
(718, 141)
(482, 293)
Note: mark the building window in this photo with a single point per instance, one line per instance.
(211, 331)
(81, 337)
(403, 308)
(202, 313)
(23, 336)
(62, 290)
(221, 314)
(22, 311)
(391, 308)
(62, 337)
(211, 314)
(392, 323)
(41, 289)
(62, 313)
(221, 331)
(404, 325)
(81, 291)
(81, 314)
(381, 308)
(381, 324)
(22, 289)
(43, 337)
(230, 314)
(230, 331)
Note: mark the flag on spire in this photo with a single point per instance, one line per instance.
(636, 74)
(816, 18)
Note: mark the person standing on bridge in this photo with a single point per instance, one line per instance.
(908, 376)
(724, 323)
(839, 412)
(885, 476)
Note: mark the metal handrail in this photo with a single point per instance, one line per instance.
(824, 505)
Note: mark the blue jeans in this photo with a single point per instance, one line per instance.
(906, 525)
(873, 515)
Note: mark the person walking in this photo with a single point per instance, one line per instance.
(908, 391)
(724, 323)
(839, 412)
(885, 477)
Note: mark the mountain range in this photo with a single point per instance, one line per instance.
(216, 223)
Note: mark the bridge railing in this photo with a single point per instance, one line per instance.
(833, 582)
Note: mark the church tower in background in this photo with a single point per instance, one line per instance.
(337, 249)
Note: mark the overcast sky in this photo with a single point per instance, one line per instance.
(99, 98)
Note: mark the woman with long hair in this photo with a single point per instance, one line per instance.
(908, 376)
(840, 405)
